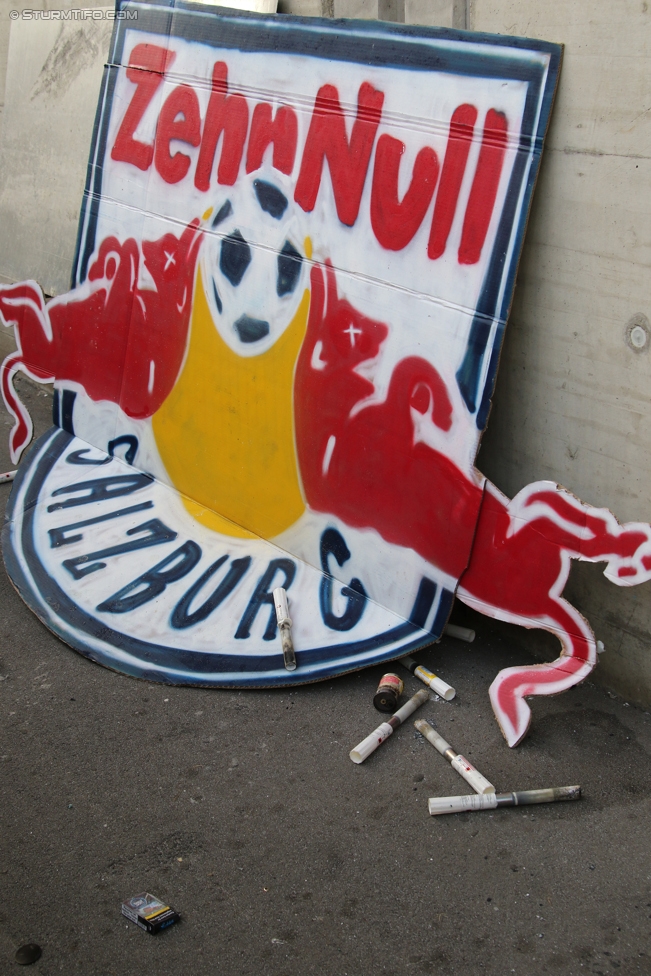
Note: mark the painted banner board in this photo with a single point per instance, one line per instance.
(296, 256)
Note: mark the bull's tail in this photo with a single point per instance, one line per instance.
(22, 307)
(511, 687)
(519, 566)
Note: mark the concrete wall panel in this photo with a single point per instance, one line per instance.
(391, 10)
(304, 8)
(53, 80)
(436, 13)
(573, 398)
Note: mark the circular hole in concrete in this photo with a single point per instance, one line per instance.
(638, 331)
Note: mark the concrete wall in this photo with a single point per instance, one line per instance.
(436, 13)
(6, 6)
(49, 94)
(573, 400)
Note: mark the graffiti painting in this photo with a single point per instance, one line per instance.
(297, 251)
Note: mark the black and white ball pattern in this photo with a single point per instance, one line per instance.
(253, 266)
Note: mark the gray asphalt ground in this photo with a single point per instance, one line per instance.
(244, 811)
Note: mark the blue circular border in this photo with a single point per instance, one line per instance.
(42, 589)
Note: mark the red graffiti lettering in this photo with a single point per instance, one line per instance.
(348, 161)
(227, 114)
(484, 188)
(282, 131)
(395, 222)
(462, 125)
(147, 67)
(184, 102)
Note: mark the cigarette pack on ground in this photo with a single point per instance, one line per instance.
(149, 912)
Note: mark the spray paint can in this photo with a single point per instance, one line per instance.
(471, 775)
(491, 801)
(285, 627)
(382, 733)
(442, 688)
(388, 692)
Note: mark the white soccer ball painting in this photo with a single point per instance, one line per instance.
(254, 289)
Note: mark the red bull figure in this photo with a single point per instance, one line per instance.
(512, 558)
(102, 335)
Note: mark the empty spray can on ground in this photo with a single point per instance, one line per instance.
(428, 678)
(490, 801)
(471, 775)
(382, 733)
(285, 628)
(461, 633)
(388, 693)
